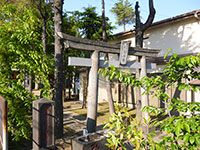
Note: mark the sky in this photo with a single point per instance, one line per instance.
(164, 8)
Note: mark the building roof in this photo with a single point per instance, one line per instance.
(195, 13)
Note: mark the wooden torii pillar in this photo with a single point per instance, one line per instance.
(99, 46)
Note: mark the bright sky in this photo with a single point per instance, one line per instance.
(164, 8)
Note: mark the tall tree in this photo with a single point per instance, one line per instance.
(91, 24)
(140, 29)
(86, 24)
(124, 13)
(58, 86)
(104, 36)
(44, 7)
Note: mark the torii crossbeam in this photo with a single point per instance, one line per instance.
(92, 45)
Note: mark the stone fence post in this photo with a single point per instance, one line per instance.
(43, 124)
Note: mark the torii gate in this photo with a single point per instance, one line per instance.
(99, 46)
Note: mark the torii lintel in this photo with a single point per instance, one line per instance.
(107, 47)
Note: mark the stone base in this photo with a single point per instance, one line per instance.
(95, 141)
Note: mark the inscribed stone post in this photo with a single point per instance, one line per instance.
(43, 124)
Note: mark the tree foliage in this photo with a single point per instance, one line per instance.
(88, 23)
(183, 130)
(20, 55)
(71, 23)
(124, 13)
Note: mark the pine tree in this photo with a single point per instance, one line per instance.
(124, 13)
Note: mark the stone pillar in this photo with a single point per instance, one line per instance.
(93, 93)
(43, 124)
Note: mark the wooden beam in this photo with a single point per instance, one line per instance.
(91, 45)
(88, 44)
(137, 51)
(87, 62)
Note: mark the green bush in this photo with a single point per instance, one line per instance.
(182, 131)
(21, 55)
(127, 131)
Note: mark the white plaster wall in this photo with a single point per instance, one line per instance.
(181, 37)
(189, 95)
(197, 96)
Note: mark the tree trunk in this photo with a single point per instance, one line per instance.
(140, 29)
(69, 88)
(124, 26)
(30, 83)
(104, 34)
(58, 4)
(108, 87)
(44, 35)
(138, 96)
(43, 13)
(85, 93)
(109, 96)
(93, 93)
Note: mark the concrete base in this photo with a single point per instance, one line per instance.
(95, 141)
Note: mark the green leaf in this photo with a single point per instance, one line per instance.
(175, 55)
(197, 140)
(186, 138)
(167, 53)
(178, 129)
(192, 139)
(109, 140)
(158, 147)
(187, 127)
(170, 107)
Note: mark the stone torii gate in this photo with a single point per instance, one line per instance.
(96, 47)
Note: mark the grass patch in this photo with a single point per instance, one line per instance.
(103, 113)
